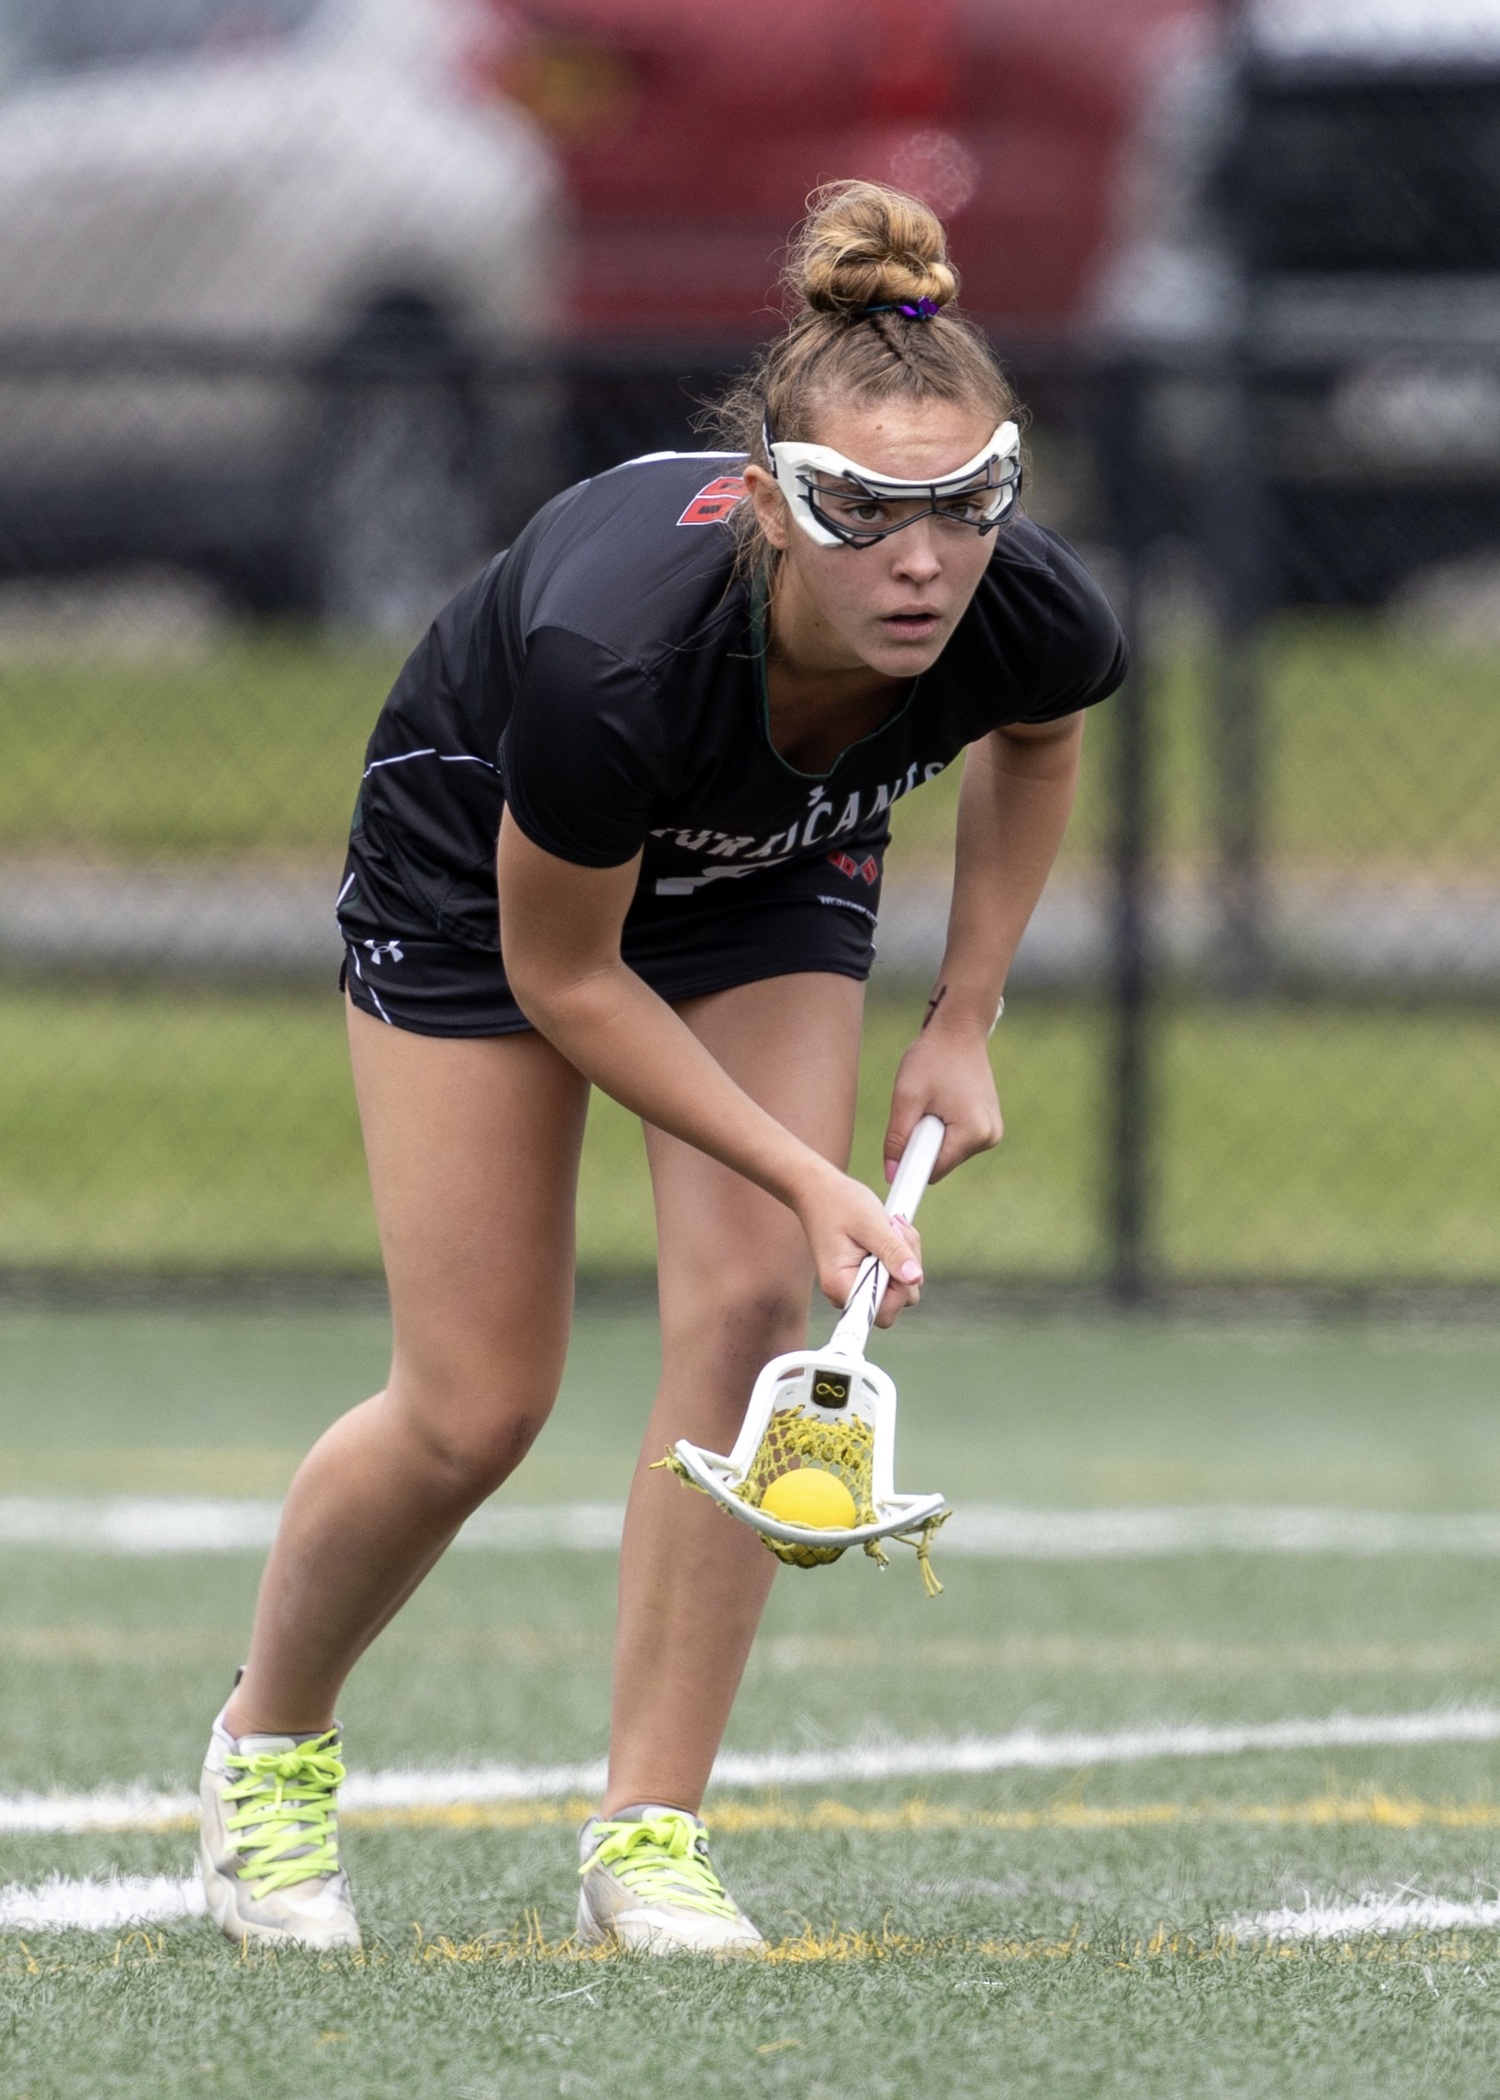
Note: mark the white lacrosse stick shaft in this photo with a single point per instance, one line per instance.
(907, 1190)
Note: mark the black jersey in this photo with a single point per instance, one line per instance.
(604, 678)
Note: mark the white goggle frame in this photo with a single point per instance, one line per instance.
(996, 468)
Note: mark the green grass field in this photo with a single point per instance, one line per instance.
(1023, 1934)
(155, 1130)
(254, 748)
(1381, 745)
(162, 1127)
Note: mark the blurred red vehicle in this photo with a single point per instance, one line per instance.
(694, 129)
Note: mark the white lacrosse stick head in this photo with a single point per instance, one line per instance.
(830, 1409)
(814, 1407)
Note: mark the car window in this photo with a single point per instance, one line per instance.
(64, 36)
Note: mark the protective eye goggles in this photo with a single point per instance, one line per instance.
(978, 494)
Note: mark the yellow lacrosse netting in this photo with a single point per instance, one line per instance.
(847, 1450)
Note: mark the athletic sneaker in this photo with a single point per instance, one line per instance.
(270, 1839)
(649, 1885)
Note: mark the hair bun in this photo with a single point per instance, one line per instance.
(865, 245)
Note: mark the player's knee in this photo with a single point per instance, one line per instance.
(742, 1321)
(477, 1456)
(474, 1440)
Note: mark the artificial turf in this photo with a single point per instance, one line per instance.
(1026, 1933)
(1121, 2016)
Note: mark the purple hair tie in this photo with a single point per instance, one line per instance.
(914, 310)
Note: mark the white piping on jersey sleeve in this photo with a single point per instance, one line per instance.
(647, 459)
(444, 758)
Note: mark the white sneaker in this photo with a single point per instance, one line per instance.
(270, 1846)
(649, 1885)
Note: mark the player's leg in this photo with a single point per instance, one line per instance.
(473, 1152)
(735, 1284)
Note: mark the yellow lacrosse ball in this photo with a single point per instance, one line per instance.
(812, 1497)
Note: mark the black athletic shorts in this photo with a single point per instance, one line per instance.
(819, 915)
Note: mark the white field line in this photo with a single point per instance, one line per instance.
(1024, 1749)
(117, 1902)
(161, 1524)
(991, 1531)
(100, 1906)
(1368, 1913)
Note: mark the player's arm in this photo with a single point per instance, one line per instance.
(1013, 809)
(560, 936)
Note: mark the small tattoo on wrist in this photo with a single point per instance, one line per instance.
(934, 1003)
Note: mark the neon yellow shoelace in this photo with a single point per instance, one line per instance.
(286, 1832)
(663, 1860)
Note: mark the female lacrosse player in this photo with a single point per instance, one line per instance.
(622, 825)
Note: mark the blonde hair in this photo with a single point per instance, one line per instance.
(863, 252)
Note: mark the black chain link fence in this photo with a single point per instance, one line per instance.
(1252, 1036)
(1307, 939)
(1305, 484)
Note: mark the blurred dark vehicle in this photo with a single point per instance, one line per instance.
(251, 255)
(692, 131)
(259, 253)
(1319, 200)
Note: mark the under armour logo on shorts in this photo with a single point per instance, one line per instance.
(384, 951)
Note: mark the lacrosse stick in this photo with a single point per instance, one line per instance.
(830, 1409)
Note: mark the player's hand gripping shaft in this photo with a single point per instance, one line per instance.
(867, 1298)
(846, 1229)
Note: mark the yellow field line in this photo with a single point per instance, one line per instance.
(796, 1654)
(525, 1645)
(1321, 1811)
(143, 1948)
(838, 1945)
